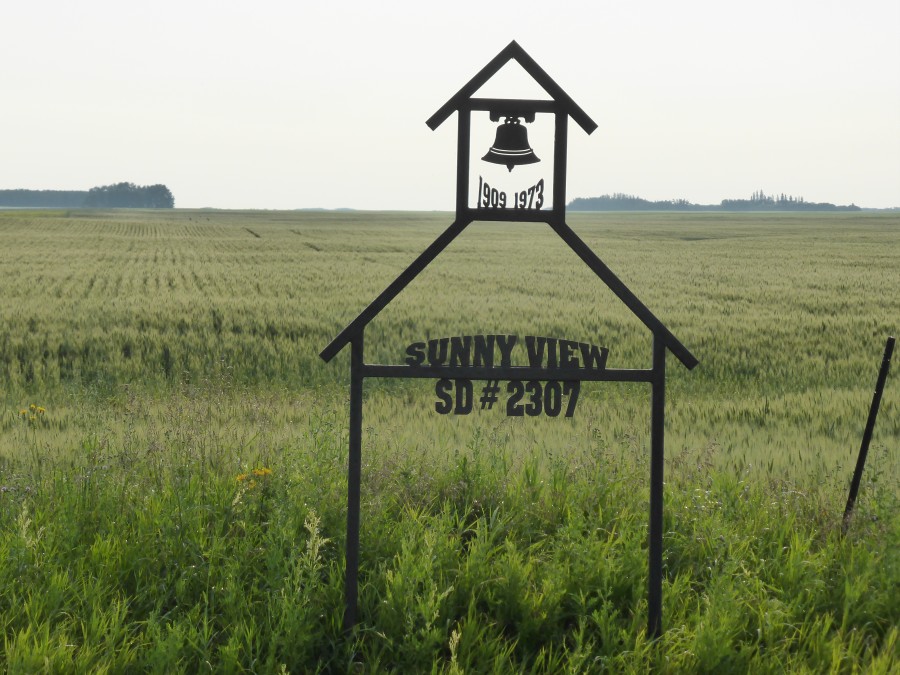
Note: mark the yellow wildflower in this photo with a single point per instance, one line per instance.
(33, 407)
(262, 472)
(41, 410)
(242, 477)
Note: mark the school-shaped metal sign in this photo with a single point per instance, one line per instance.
(550, 382)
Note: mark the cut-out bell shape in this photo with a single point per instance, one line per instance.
(511, 145)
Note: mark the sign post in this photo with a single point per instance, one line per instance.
(551, 382)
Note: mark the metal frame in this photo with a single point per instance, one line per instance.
(562, 107)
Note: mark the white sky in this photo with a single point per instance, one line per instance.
(296, 104)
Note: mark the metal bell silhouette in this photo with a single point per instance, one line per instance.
(511, 145)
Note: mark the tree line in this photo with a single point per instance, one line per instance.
(624, 202)
(118, 195)
(759, 201)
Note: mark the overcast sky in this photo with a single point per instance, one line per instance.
(323, 104)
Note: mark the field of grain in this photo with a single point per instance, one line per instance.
(151, 361)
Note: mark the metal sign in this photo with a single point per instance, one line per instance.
(551, 381)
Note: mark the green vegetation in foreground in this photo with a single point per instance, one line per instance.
(175, 353)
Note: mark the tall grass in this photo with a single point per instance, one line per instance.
(130, 554)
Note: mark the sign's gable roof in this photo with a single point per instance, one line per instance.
(513, 52)
(606, 275)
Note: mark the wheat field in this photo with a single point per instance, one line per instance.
(151, 361)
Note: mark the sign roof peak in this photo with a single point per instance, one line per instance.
(513, 51)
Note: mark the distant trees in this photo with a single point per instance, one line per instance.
(129, 195)
(119, 195)
(57, 199)
(759, 201)
(624, 202)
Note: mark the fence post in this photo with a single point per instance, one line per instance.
(867, 434)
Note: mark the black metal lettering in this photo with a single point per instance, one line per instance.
(484, 351)
(535, 347)
(506, 344)
(535, 404)
(571, 389)
(463, 397)
(437, 351)
(551, 353)
(513, 407)
(444, 404)
(460, 350)
(552, 398)
(567, 359)
(415, 354)
(593, 358)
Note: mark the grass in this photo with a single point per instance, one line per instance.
(175, 352)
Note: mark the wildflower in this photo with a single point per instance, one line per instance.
(41, 410)
(23, 413)
(261, 472)
(242, 477)
(32, 407)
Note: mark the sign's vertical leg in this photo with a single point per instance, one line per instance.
(354, 470)
(657, 446)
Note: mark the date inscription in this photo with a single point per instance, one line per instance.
(492, 198)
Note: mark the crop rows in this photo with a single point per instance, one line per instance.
(786, 314)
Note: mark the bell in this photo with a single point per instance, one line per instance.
(511, 145)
